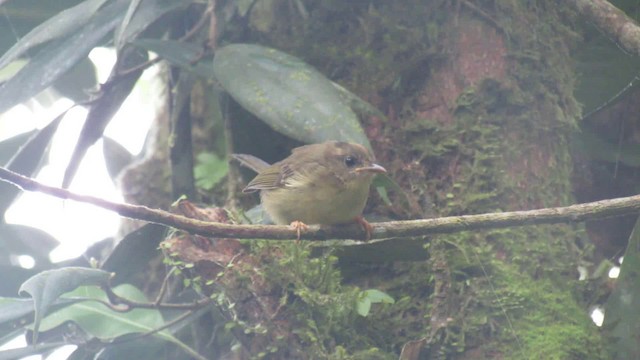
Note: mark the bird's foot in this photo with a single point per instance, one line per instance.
(299, 227)
(368, 229)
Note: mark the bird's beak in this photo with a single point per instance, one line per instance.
(374, 168)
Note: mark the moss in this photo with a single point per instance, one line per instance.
(506, 293)
(320, 309)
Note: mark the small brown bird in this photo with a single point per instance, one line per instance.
(325, 184)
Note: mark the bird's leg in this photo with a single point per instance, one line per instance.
(368, 229)
(299, 226)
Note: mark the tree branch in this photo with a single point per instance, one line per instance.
(612, 21)
(567, 214)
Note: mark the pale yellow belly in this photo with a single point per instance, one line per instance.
(315, 206)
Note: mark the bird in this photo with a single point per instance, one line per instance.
(321, 184)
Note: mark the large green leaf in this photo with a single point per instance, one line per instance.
(622, 318)
(63, 23)
(46, 287)
(288, 94)
(106, 324)
(58, 57)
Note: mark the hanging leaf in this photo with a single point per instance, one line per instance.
(65, 22)
(58, 57)
(113, 93)
(27, 161)
(292, 97)
(47, 286)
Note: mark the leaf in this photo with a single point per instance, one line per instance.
(106, 324)
(79, 83)
(133, 6)
(63, 23)
(47, 286)
(10, 146)
(363, 306)
(13, 277)
(141, 14)
(16, 308)
(371, 296)
(377, 296)
(382, 182)
(181, 54)
(113, 93)
(116, 156)
(27, 240)
(58, 57)
(209, 170)
(292, 97)
(132, 254)
(27, 160)
(622, 318)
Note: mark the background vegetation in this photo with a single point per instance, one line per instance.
(472, 106)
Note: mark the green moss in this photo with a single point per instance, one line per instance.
(504, 293)
(321, 310)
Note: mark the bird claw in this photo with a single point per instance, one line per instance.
(368, 229)
(299, 226)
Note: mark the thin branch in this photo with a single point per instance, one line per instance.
(567, 214)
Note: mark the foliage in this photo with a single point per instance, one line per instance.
(504, 144)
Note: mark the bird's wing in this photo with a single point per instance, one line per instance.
(273, 177)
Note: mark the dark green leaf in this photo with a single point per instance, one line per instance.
(27, 160)
(133, 253)
(78, 83)
(47, 286)
(55, 27)
(112, 95)
(59, 56)
(286, 93)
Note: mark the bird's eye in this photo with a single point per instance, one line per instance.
(350, 161)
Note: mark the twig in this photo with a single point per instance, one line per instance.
(567, 214)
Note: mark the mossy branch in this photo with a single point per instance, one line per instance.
(383, 230)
